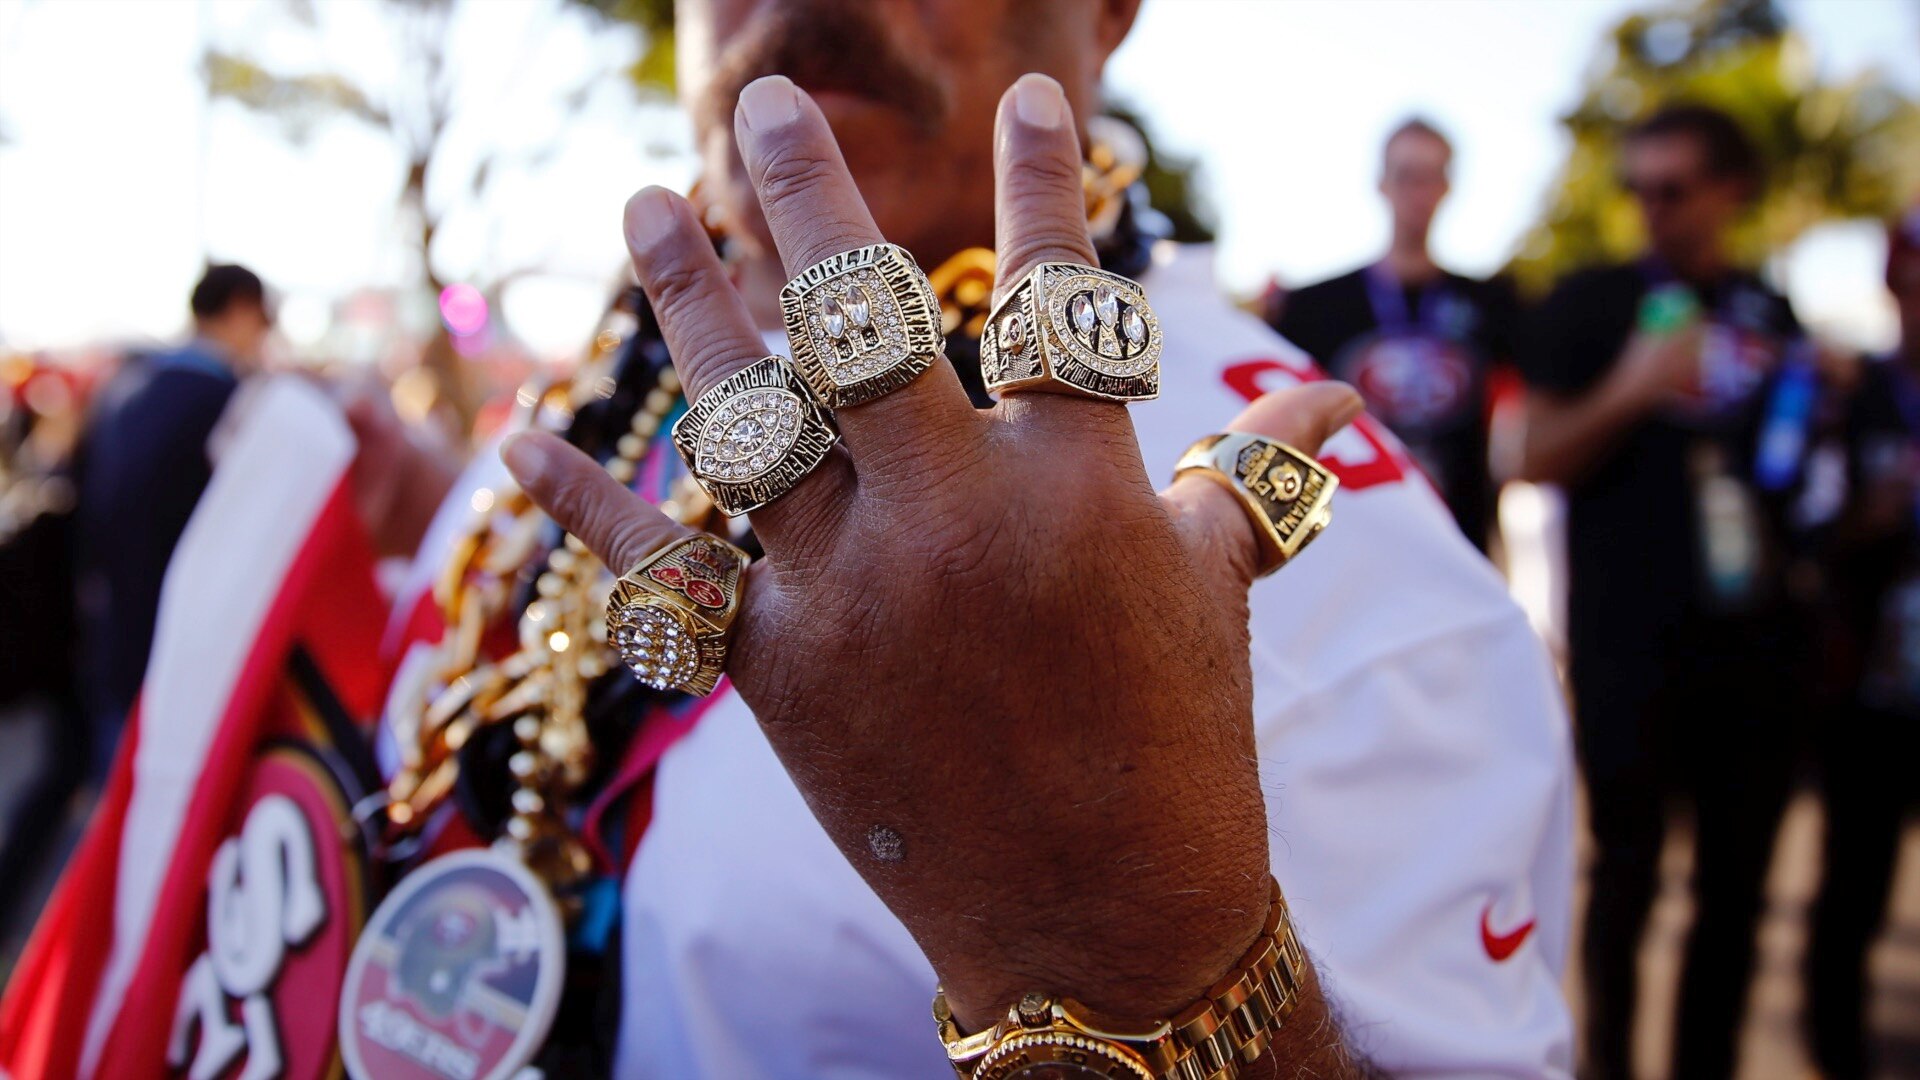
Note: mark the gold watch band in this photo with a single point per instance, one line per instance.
(1233, 1024)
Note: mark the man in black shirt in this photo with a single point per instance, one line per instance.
(142, 466)
(1867, 750)
(1416, 340)
(1647, 387)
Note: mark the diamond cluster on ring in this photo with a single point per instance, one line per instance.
(857, 326)
(749, 435)
(653, 643)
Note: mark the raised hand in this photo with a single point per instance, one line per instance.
(1009, 677)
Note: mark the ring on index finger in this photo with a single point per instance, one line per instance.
(862, 324)
(1073, 329)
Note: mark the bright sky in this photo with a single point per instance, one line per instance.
(116, 180)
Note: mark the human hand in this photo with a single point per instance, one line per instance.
(1656, 367)
(399, 475)
(1011, 680)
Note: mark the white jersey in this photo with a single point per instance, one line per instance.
(1413, 749)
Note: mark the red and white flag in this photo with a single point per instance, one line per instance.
(204, 925)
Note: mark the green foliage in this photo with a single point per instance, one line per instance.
(1833, 150)
(299, 101)
(654, 71)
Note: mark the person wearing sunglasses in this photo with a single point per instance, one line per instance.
(1867, 748)
(1648, 386)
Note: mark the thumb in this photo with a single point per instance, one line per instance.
(1219, 534)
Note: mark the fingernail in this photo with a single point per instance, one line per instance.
(1349, 411)
(526, 459)
(649, 217)
(769, 103)
(1038, 102)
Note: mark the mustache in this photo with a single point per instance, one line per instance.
(825, 46)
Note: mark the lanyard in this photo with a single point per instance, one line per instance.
(1389, 302)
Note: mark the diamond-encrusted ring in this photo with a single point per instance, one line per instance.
(753, 436)
(1073, 329)
(862, 324)
(671, 617)
(1287, 494)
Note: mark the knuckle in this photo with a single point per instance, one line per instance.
(1043, 174)
(631, 539)
(1052, 239)
(677, 287)
(791, 171)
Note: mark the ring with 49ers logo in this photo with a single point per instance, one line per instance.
(1287, 495)
(671, 617)
(753, 436)
(862, 324)
(1073, 329)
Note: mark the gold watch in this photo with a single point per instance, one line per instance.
(1044, 1037)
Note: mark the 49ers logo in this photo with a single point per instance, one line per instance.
(699, 572)
(282, 906)
(697, 589)
(1362, 454)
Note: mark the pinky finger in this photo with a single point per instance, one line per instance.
(616, 525)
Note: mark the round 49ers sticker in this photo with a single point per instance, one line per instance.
(456, 976)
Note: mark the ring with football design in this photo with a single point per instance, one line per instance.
(1287, 495)
(671, 617)
(1073, 329)
(861, 324)
(753, 436)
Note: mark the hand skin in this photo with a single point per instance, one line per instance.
(399, 476)
(1566, 436)
(1011, 680)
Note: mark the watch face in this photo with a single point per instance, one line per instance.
(1060, 1054)
(1058, 1070)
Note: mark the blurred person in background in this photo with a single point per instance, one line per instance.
(1867, 752)
(1647, 385)
(1415, 339)
(142, 465)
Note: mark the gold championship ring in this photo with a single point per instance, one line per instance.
(672, 616)
(753, 436)
(1074, 329)
(1047, 1036)
(1287, 494)
(862, 324)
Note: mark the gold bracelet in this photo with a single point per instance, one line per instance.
(1232, 1025)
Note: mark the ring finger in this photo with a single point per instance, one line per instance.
(710, 336)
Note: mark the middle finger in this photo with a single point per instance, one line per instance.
(813, 212)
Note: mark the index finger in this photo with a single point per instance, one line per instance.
(1040, 216)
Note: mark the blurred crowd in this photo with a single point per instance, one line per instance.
(1742, 522)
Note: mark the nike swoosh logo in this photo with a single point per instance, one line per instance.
(1501, 946)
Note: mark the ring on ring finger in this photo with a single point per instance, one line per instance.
(754, 435)
(861, 324)
(671, 617)
(1073, 329)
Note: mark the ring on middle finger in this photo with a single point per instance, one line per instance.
(862, 324)
(754, 435)
(1073, 329)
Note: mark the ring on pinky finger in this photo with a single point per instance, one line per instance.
(671, 617)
